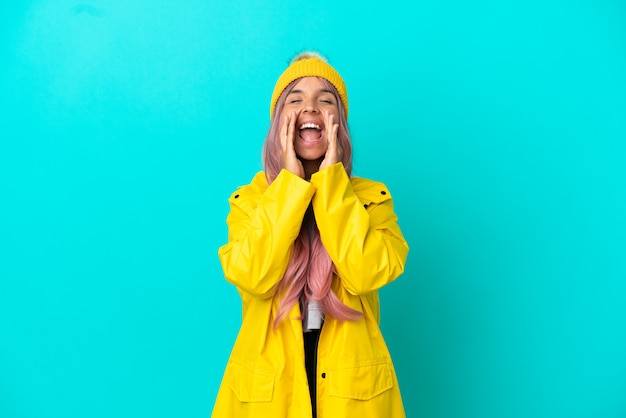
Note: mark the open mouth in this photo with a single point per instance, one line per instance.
(310, 131)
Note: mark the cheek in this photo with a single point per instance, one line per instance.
(286, 111)
(283, 115)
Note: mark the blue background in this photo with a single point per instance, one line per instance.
(499, 126)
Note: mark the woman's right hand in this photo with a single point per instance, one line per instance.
(288, 153)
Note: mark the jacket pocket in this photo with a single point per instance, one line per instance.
(362, 382)
(250, 385)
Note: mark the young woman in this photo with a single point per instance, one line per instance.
(308, 248)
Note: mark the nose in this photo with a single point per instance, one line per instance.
(310, 107)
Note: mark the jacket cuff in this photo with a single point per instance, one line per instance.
(293, 186)
(330, 175)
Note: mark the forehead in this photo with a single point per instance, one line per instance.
(309, 83)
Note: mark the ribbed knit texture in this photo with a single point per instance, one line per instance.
(310, 67)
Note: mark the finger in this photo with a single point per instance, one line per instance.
(335, 152)
(331, 132)
(283, 131)
(292, 128)
(327, 123)
(334, 127)
(337, 147)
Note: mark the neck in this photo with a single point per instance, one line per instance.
(310, 167)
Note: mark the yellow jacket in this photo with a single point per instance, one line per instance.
(265, 375)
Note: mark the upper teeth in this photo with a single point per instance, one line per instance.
(309, 125)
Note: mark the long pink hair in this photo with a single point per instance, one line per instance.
(310, 271)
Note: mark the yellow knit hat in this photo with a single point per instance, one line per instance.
(309, 65)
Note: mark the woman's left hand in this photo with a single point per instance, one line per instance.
(334, 153)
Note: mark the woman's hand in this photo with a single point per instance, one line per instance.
(334, 153)
(288, 155)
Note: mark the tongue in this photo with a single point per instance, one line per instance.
(310, 134)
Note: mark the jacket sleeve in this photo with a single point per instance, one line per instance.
(362, 237)
(262, 227)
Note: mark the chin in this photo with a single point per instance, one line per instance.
(310, 159)
(311, 155)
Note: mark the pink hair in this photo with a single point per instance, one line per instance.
(310, 271)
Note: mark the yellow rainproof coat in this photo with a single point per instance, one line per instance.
(265, 375)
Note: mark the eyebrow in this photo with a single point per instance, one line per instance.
(300, 91)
